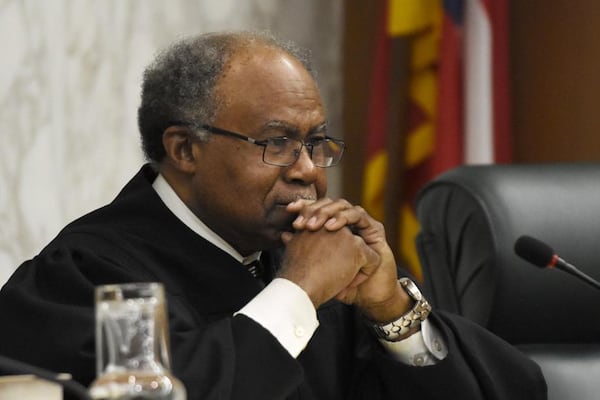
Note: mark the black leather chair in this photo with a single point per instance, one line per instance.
(471, 217)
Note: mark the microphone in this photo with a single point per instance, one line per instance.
(541, 255)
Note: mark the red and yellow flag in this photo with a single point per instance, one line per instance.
(450, 97)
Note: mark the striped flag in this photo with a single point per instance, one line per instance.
(456, 108)
(487, 95)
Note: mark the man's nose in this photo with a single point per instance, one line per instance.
(303, 168)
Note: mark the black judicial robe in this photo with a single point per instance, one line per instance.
(47, 314)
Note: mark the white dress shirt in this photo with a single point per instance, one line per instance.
(285, 310)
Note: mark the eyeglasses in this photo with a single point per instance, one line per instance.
(283, 151)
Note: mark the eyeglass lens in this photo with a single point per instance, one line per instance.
(285, 151)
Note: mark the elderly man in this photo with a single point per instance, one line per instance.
(236, 134)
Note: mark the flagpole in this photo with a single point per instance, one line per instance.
(396, 133)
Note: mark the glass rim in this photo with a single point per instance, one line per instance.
(128, 290)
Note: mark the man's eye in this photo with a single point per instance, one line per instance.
(316, 140)
(279, 141)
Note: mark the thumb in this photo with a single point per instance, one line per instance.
(372, 262)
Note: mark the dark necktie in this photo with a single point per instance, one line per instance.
(256, 269)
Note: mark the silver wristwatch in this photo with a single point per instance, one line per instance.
(396, 330)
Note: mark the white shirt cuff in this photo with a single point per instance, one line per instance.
(425, 347)
(285, 310)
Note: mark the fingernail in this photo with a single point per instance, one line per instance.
(299, 219)
(312, 221)
(330, 222)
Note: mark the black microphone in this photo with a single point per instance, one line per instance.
(541, 255)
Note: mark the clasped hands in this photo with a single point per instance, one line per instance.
(339, 251)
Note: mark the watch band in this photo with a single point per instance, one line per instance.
(396, 330)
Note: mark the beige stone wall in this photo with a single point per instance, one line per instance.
(69, 89)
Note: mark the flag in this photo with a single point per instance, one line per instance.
(487, 94)
(456, 103)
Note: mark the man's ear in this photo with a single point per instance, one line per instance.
(178, 144)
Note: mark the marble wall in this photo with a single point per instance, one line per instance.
(69, 89)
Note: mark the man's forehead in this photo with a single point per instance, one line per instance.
(263, 62)
(268, 87)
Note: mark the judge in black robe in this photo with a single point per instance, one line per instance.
(251, 84)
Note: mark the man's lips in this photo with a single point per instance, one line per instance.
(298, 196)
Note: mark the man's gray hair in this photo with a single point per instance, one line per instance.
(179, 84)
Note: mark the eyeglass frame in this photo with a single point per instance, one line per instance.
(263, 143)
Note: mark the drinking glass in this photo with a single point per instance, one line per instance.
(132, 345)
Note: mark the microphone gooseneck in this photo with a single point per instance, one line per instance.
(541, 255)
